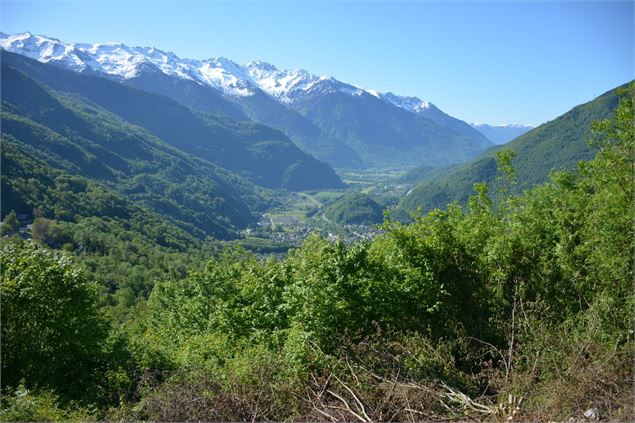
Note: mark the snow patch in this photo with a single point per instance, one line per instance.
(412, 104)
(220, 73)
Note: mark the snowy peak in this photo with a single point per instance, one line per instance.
(118, 59)
(282, 84)
(258, 66)
(233, 79)
(126, 62)
(43, 49)
(291, 85)
(412, 104)
(223, 74)
(113, 59)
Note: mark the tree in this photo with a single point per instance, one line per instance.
(10, 225)
(49, 232)
(52, 331)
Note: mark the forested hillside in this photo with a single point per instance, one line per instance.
(555, 145)
(241, 147)
(89, 143)
(357, 209)
(125, 245)
(518, 312)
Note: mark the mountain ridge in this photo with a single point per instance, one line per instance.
(118, 59)
(218, 140)
(239, 89)
(555, 145)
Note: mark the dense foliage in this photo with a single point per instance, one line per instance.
(125, 245)
(355, 209)
(459, 314)
(52, 330)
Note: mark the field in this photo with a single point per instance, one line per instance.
(300, 213)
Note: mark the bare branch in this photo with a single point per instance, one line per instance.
(357, 400)
(348, 408)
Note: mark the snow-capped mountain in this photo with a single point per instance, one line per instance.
(500, 134)
(119, 60)
(412, 104)
(340, 123)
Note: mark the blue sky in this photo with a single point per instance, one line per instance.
(491, 62)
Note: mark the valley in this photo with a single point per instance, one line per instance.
(298, 214)
(196, 239)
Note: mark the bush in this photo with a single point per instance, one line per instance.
(25, 406)
(52, 330)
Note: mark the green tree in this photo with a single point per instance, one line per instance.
(49, 232)
(52, 331)
(10, 225)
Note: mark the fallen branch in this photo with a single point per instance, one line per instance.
(348, 407)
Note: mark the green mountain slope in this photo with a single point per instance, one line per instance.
(186, 92)
(29, 183)
(262, 108)
(221, 140)
(383, 134)
(558, 144)
(86, 141)
(258, 107)
(355, 209)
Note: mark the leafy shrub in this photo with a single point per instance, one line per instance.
(23, 405)
(52, 330)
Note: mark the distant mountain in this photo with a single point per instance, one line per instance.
(558, 144)
(432, 112)
(340, 123)
(262, 108)
(500, 134)
(381, 133)
(261, 154)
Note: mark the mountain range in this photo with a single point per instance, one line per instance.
(194, 146)
(77, 146)
(500, 134)
(337, 122)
